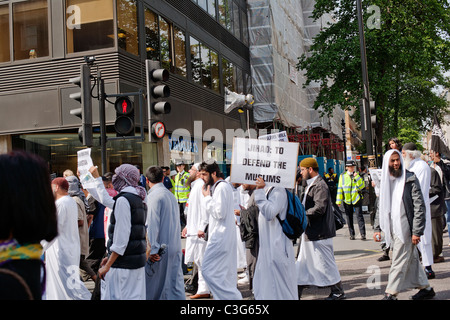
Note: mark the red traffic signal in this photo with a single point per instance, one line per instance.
(124, 124)
(124, 106)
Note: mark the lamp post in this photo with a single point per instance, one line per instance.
(344, 138)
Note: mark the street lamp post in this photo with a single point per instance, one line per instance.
(344, 138)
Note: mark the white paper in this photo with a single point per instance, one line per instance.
(84, 164)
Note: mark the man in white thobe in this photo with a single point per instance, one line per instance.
(413, 163)
(163, 271)
(402, 219)
(220, 260)
(195, 246)
(62, 255)
(275, 274)
(316, 265)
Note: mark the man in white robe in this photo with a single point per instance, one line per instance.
(163, 271)
(62, 255)
(413, 163)
(316, 265)
(195, 216)
(220, 260)
(120, 283)
(402, 219)
(275, 274)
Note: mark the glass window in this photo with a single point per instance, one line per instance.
(127, 26)
(30, 23)
(224, 13)
(203, 4)
(179, 41)
(244, 27)
(89, 25)
(235, 21)
(206, 66)
(239, 76)
(228, 75)
(212, 8)
(4, 35)
(195, 60)
(215, 76)
(151, 35)
(164, 41)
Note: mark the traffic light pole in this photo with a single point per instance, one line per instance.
(365, 112)
(102, 116)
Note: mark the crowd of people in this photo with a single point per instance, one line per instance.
(124, 231)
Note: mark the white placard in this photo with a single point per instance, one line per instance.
(274, 161)
(279, 136)
(84, 164)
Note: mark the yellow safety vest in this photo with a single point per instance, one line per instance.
(180, 190)
(349, 189)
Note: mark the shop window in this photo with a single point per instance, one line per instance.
(179, 41)
(127, 26)
(4, 35)
(30, 23)
(89, 25)
(152, 35)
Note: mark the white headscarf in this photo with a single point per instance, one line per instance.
(391, 199)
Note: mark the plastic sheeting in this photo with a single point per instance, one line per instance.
(280, 31)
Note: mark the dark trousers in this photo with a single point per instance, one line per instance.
(252, 258)
(182, 217)
(357, 209)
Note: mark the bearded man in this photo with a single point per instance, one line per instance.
(413, 163)
(403, 223)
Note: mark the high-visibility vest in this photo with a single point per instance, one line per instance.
(349, 189)
(180, 190)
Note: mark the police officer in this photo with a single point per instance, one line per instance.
(349, 192)
(181, 190)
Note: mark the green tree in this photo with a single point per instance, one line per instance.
(407, 57)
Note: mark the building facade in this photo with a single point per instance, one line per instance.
(204, 44)
(247, 46)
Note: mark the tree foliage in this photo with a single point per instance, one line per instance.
(406, 60)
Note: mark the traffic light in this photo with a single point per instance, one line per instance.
(373, 114)
(85, 99)
(156, 92)
(124, 124)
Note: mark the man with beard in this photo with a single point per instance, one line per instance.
(316, 264)
(195, 246)
(403, 222)
(413, 163)
(220, 260)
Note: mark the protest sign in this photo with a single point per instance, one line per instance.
(274, 161)
(84, 164)
(279, 136)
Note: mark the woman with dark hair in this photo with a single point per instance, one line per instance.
(27, 216)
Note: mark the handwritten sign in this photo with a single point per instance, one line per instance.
(274, 161)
